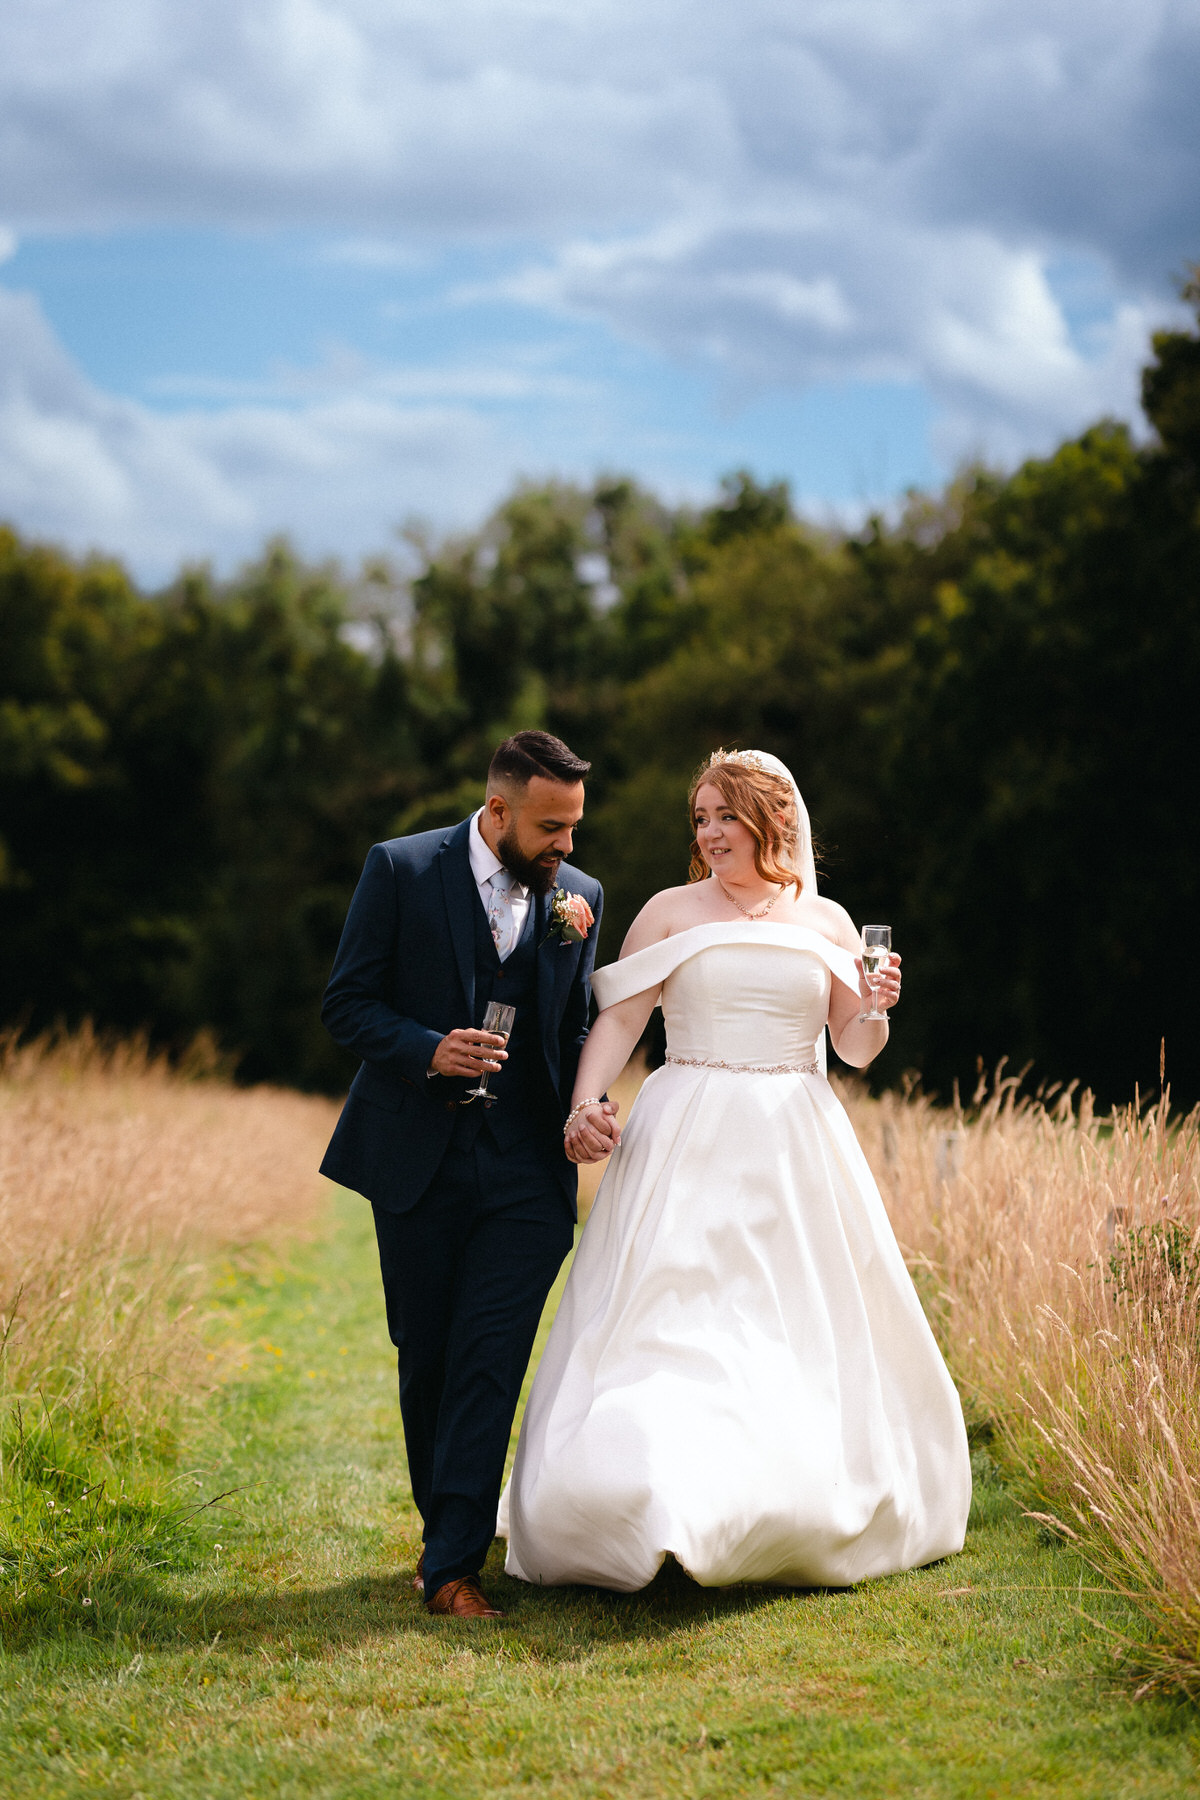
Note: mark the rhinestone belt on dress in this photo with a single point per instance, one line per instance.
(705, 1062)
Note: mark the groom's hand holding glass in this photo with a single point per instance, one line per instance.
(468, 1051)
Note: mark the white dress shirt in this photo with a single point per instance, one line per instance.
(484, 864)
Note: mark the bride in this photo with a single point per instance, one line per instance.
(740, 1374)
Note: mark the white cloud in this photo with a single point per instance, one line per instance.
(438, 117)
(458, 118)
(780, 193)
(335, 467)
(975, 321)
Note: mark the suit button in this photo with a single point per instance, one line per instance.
(450, 1106)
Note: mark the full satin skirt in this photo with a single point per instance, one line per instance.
(740, 1373)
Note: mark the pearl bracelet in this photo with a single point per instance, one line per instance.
(582, 1107)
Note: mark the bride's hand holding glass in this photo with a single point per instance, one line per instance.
(879, 967)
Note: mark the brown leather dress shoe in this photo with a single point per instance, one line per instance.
(462, 1599)
(419, 1577)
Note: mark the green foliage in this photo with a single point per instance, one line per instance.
(186, 785)
(1153, 1259)
(746, 509)
(989, 703)
(1171, 387)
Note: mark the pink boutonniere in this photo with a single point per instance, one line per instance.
(571, 918)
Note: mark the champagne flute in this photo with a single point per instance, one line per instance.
(499, 1019)
(876, 947)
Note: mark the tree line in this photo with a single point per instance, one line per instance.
(990, 702)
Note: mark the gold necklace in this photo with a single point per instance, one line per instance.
(760, 912)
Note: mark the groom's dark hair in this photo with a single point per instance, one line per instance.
(528, 753)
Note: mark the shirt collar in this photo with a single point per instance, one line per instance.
(484, 861)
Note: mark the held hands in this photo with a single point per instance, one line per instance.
(594, 1133)
(466, 1051)
(888, 991)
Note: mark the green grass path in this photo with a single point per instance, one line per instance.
(291, 1657)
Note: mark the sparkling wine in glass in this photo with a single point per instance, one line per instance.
(499, 1019)
(876, 948)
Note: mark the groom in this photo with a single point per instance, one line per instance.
(474, 1203)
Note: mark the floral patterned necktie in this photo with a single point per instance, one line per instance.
(500, 913)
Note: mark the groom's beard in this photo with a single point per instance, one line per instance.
(538, 875)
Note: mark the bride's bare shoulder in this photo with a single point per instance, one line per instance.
(832, 921)
(673, 909)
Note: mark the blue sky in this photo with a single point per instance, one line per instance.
(320, 266)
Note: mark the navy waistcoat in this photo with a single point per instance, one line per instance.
(525, 1101)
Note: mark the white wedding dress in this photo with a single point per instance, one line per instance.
(740, 1373)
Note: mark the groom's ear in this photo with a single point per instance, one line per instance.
(498, 808)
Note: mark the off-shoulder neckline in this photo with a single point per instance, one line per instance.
(651, 965)
(735, 925)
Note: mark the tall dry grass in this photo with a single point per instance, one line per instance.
(120, 1178)
(1059, 1256)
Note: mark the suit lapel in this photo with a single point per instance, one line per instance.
(549, 950)
(556, 966)
(458, 886)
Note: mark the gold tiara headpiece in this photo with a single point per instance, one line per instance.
(749, 759)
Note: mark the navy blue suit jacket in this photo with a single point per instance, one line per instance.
(404, 976)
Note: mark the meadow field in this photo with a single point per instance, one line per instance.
(206, 1535)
